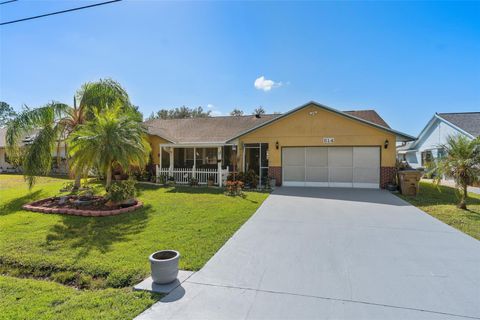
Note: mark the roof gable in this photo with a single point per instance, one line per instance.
(349, 114)
(466, 121)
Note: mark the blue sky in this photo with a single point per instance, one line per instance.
(406, 60)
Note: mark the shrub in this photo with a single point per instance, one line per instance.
(67, 187)
(251, 179)
(239, 176)
(121, 191)
(193, 182)
(234, 188)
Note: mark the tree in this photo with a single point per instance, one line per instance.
(6, 113)
(111, 138)
(259, 111)
(181, 113)
(236, 112)
(54, 122)
(46, 123)
(462, 163)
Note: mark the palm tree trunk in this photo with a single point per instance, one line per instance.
(108, 177)
(463, 200)
(78, 179)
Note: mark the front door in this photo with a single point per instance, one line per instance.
(255, 156)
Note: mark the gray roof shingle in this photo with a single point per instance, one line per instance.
(222, 129)
(467, 121)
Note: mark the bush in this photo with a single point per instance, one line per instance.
(251, 179)
(193, 182)
(122, 190)
(234, 188)
(239, 176)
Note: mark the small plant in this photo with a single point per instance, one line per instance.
(193, 182)
(430, 170)
(234, 188)
(122, 191)
(211, 180)
(85, 191)
(67, 187)
(161, 179)
(171, 180)
(251, 179)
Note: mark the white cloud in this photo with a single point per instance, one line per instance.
(213, 110)
(266, 85)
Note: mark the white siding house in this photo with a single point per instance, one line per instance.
(428, 145)
(5, 166)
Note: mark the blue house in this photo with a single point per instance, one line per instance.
(428, 145)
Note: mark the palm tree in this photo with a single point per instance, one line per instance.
(462, 163)
(46, 125)
(111, 138)
(54, 122)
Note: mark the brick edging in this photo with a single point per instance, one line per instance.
(78, 212)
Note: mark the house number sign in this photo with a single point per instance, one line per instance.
(328, 140)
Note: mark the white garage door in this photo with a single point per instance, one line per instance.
(357, 167)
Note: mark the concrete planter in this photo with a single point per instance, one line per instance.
(164, 266)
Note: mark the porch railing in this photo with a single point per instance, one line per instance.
(184, 175)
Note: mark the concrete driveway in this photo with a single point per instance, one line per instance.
(318, 253)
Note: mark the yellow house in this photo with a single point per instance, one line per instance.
(312, 145)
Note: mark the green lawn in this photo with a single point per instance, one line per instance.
(440, 203)
(99, 254)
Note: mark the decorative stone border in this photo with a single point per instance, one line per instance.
(33, 206)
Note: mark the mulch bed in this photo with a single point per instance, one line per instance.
(74, 205)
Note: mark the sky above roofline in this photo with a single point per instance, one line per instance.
(404, 60)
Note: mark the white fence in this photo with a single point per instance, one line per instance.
(184, 175)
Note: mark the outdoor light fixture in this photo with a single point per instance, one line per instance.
(277, 145)
(385, 144)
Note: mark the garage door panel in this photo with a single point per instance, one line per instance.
(366, 175)
(340, 157)
(341, 175)
(293, 156)
(294, 173)
(366, 157)
(316, 156)
(316, 174)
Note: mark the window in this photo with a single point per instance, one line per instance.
(210, 156)
(441, 153)
(426, 157)
(165, 158)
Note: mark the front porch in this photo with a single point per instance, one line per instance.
(203, 163)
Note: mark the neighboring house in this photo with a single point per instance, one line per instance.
(5, 166)
(428, 146)
(312, 145)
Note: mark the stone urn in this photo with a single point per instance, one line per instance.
(164, 266)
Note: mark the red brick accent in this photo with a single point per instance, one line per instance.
(387, 175)
(276, 172)
(36, 207)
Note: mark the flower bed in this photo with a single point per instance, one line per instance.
(94, 207)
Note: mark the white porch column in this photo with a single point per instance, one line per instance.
(194, 167)
(160, 156)
(171, 162)
(219, 166)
